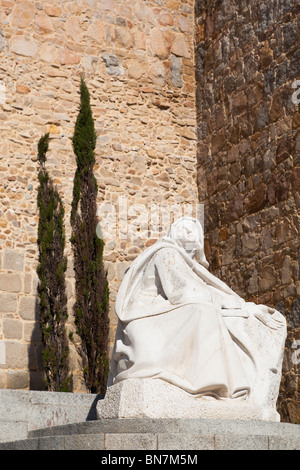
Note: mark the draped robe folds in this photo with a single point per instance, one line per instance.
(171, 327)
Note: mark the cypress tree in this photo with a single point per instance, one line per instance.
(51, 272)
(91, 286)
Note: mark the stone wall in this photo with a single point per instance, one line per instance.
(137, 57)
(23, 411)
(247, 60)
(138, 60)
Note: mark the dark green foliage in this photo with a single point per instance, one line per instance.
(91, 306)
(51, 272)
(43, 146)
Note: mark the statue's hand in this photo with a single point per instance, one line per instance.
(269, 316)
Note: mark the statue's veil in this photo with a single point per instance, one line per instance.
(173, 234)
(130, 287)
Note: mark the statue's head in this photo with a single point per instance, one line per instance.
(187, 232)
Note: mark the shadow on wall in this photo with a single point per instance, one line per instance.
(36, 368)
(92, 414)
(35, 359)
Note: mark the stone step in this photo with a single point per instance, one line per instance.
(24, 410)
(173, 426)
(161, 435)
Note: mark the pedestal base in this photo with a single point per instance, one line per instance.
(152, 435)
(157, 399)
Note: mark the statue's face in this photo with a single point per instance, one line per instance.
(188, 235)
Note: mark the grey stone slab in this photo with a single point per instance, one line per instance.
(199, 426)
(124, 426)
(240, 427)
(284, 443)
(7, 445)
(51, 443)
(43, 416)
(13, 430)
(108, 426)
(241, 442)
(151, 441)
(84, 442)
(61, 398)
(13, 405)
(62, 430)
(22, 411)
(27, 444)
(132, 441)
(173, 426)
(185, 442)
(75, 407)
(135, 433)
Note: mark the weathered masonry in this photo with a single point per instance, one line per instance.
(138, 61)
(247, 64)
(192, 102)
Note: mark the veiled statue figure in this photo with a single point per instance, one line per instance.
(182, 325)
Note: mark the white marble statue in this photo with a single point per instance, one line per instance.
(185, 336)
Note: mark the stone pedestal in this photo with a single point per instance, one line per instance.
(155, 435)
(157, 399)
